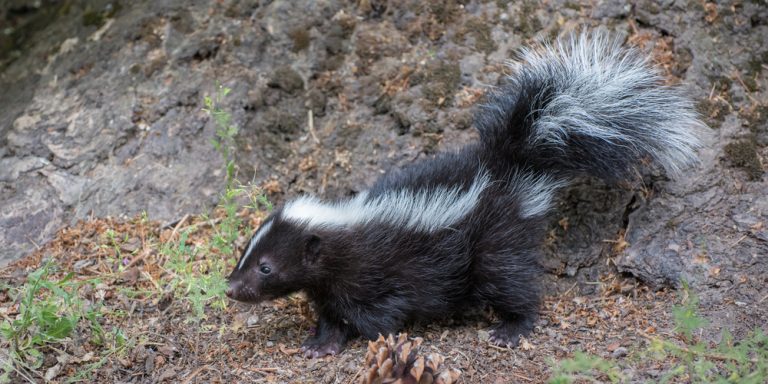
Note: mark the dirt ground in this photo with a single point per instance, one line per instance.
(88, 144)
(244, 343)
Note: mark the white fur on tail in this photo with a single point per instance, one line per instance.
(536, 192)
(610, 93)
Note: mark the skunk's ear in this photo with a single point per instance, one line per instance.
(312, 245)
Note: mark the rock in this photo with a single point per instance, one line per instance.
(197, 49)
(611, 9)
(81, 264)
(590, 213)
(286, 79)
(619, 352)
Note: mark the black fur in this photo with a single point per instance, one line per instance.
(373, 278)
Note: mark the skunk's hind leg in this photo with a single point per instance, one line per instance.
(513, 325)
(510, 286)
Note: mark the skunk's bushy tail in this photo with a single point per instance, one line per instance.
(587, 105)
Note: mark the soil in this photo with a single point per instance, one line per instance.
(101, 121)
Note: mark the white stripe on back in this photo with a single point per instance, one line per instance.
(426, 210)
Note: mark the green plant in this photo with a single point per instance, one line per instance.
(686, 316)
(231, 224)
(745, 361)
(49, 311)
(199, 282)
(692, 360)
(112, 242)
(224, 141)
(585, 368)
(114, 343)
(228, 230)
(198, 271)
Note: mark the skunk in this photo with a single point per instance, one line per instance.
(464, 228)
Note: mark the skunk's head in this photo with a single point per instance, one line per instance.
(276, 262)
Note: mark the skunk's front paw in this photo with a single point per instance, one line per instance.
(313, 348)
(503, 338)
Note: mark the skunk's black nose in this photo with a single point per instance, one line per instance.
(229, 292)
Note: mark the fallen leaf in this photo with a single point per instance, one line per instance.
(701, 259)
(52, 372)
(87, 357)
(130, 276)
(287, 351)
(168, 374)
(525, 345)
(167, 350)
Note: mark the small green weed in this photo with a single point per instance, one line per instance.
(49, 311)
(198, 270)
(199, 282)
(224, 142)
(686, 317)
(743, 361)
(584, 367)
(228, 230)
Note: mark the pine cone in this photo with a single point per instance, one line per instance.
(399, 363)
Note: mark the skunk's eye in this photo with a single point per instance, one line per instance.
(265, 270)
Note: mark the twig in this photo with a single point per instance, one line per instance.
(178, 225)
(23, 374)
(152, 280)
(498, 347)
(197, 372)
(211, 222)
(324, 181)
(169, 224)
(21, 368)
(560, 298)
(311, 118)
(730, 106)
(519, 376)
(633, 26)
(264, 370)
(359, 371)
(37, 246)
(746, 89)
(739, 241)
(138, 258)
